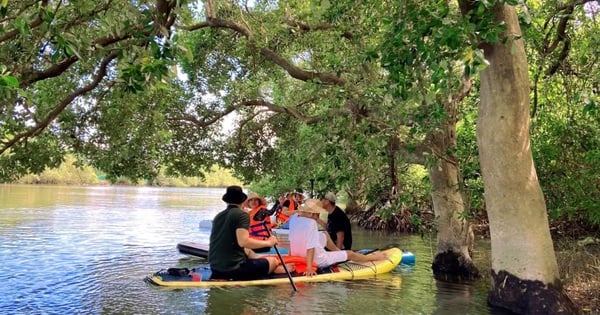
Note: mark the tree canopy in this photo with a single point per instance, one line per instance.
(317, 89)
(346, 94)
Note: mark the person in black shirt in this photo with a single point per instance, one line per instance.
(230, 254)
(338, 224)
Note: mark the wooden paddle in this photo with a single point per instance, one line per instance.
(280, 258)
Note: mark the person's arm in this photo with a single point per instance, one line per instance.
(321, 222)
(245, 241)
(339, 241)
(310, 254)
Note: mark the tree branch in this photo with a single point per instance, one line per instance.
(289, 20)
(565, 11)
(204, 122)
(40, 126)
(289, 67)
(35, 23)
(283, 110)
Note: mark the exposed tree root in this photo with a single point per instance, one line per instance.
(452, 267)
(529, 297)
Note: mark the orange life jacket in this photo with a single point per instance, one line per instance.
(257, 229)
(298, 261)
(281, 217)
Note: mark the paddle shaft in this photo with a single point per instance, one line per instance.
(281, 259)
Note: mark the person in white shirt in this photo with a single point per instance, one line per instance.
(307, 241)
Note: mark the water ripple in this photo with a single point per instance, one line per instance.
(86, 250)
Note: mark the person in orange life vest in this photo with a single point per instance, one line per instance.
(287, 208)
(307, 241)
(257, 230)
(277, 206)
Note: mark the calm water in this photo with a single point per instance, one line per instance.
(86, 250)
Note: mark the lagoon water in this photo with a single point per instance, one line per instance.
(86, 250)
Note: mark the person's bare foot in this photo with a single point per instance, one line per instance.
(378, 256)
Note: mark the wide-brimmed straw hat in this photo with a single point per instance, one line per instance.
(312, 206)
(254, 195)
(234, 195)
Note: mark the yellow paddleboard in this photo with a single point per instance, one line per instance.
(344, 271)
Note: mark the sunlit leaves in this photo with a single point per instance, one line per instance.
(424, 39)
(8, 83)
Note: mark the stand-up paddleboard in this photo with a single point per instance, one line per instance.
(200, 277)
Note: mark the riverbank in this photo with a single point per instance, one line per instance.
(577, 249)
(579, 266)
(70, 174)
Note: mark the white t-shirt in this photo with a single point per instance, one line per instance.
(304, 234)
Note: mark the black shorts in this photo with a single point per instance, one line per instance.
(249, 270)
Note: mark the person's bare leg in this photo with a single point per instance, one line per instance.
(280, 269)
(273, 263)
(250, 253)
(276, 267)
(354, 256)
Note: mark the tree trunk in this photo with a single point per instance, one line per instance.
(525, 277)
(452, 261)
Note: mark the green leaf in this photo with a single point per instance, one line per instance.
(10, 81)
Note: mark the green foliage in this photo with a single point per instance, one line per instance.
(565, 125)
(216, 176)
(568, 160)
(423, 41)
(31, 157)
(395, 62)
(68, 173)
(8, 83)
(468, 156)
(61, 64)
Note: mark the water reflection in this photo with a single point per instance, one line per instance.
(86, 250)
(452, 298)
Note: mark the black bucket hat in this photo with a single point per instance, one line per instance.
(234, 195)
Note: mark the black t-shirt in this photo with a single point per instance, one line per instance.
(224, 253)
(338, 221)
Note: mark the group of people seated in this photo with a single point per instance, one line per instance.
(244, 228)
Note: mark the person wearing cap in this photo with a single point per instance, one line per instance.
(337, 225)
(230, 251)
(307, 241)
(257, 229)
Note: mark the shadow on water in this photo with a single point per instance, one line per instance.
(86, 250)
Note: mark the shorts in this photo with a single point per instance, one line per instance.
(333, 257)
(327, 258)
(249, 270)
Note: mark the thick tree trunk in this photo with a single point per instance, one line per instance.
(452, 261)
(525, 277)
